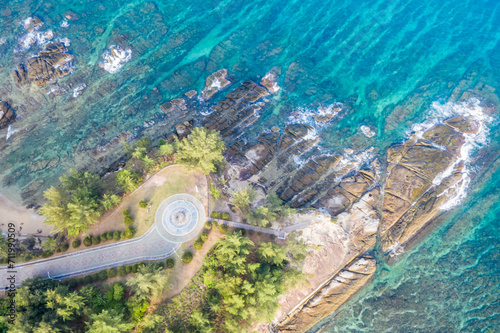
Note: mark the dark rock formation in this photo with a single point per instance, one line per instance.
(7, 114)
(50, 64)
(215, 82)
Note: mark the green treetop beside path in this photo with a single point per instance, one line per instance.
(202, 149)
(77, 203)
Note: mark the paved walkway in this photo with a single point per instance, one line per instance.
(281, 234)
(153, 245)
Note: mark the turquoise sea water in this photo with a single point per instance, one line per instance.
(389, 59)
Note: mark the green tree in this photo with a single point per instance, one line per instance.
(118, 291)
(202, 149)
(109, 201)
(243, 198)
(149, 282)
(73, 206)
(66, 305)
(108, 322)
(231, 252)
(272, 253)
(50, 244)
(200, 322)
(128, 180)
(165, 150)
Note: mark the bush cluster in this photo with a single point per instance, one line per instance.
(143, 204)
(187, 257)
(170, 263)
(220, 215)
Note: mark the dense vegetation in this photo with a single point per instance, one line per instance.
(76, 204)
(237, 286)
(47, 306)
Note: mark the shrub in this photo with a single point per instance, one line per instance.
(128, 269)
(116, 235)
(135, 268)
(87, 279)
(111, 273)
(87, 241)
(102, 276)
(64, 247)
(143, 204)
(224, 228)
(103, 237)
(109, 235)
(170, 263)
(71, 283)
(129, 232)
(122, 271)
(208, 225)
(242, 231)
(198, 245)
(76, 243)
(160, 265)
(128, 220)
(126, 212)
(58, 250)
(226, 216)
(187, 257)
(204, 236)
(215, 225)
(161, 142)
(272, 236)
(96, 240)
(215, 215)
(27, 257)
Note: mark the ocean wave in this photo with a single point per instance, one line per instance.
(472, 109)
(318, 118)
(115, 58)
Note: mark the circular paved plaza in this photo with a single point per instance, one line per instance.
(180, 218)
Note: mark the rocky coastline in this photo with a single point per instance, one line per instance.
(371, 197)
(371, 201)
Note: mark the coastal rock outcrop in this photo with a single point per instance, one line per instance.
(332, 295)
(52, 62)
(7, 114)
(215, 82)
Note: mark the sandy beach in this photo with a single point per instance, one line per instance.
(26, 220)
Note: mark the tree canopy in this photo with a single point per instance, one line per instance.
(202, 149)
(74, 205)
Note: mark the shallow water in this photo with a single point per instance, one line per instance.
(389, 60)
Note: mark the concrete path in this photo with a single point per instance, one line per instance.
(281, 234)
(153, 245)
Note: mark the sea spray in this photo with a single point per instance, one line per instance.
(439, 112)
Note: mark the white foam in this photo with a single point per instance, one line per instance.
(306, 116)
(10, 131)
(34, 38)
(439, 112)
(79, 89)
(367, 131)
(64, 23)
(354, 162)
(3, 40)
(66, 41)
(115, 58)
